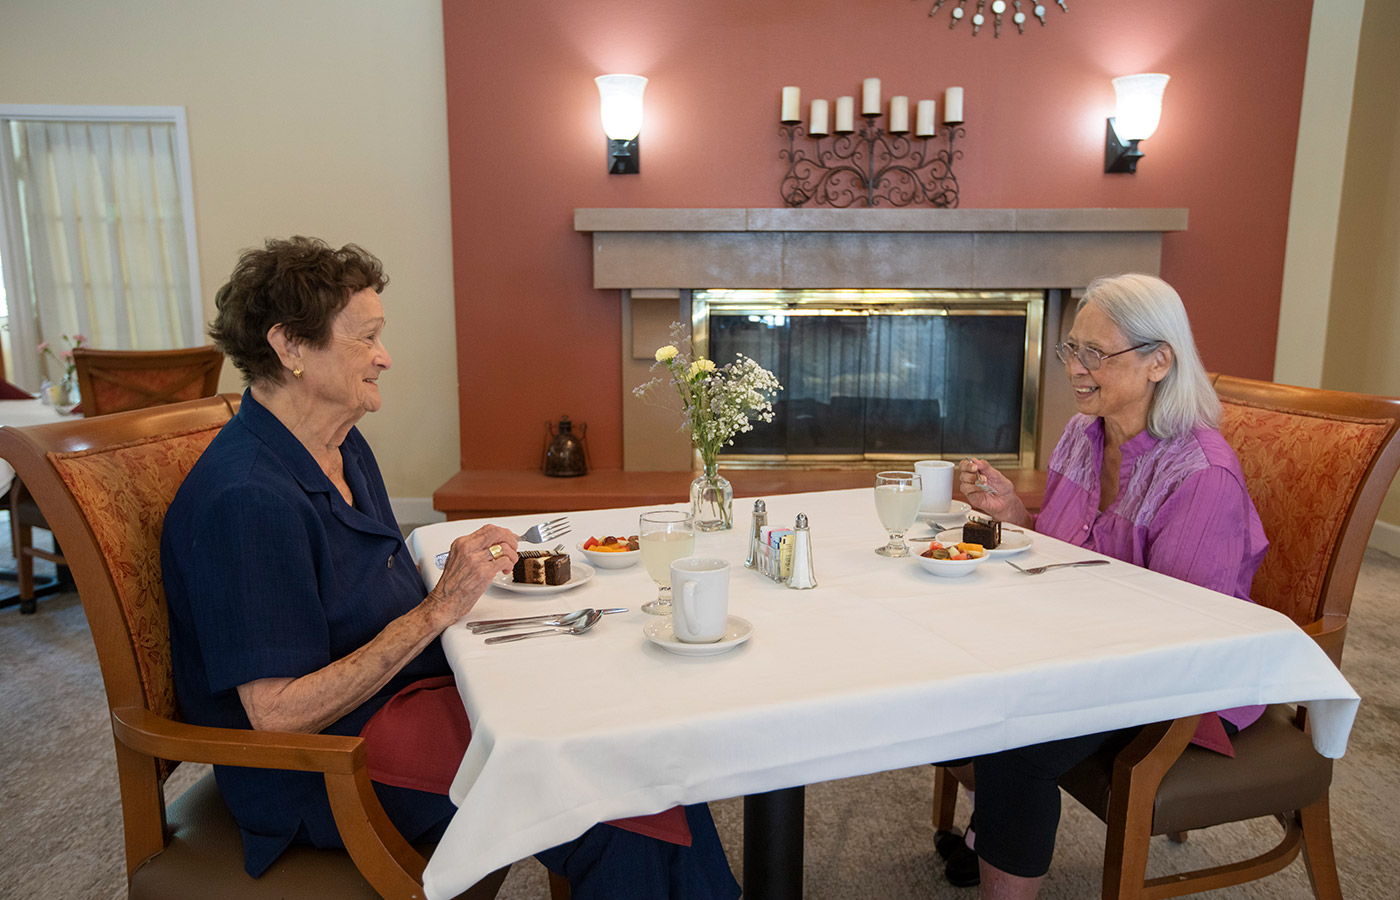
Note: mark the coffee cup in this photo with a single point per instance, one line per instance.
(937, 477)
(699, 599)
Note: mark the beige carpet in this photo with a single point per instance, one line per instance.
(867, 837)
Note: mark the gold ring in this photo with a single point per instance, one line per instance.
(495, 551)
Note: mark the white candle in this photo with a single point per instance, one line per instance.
(792, 104)
(870, 97)
(819, 119)
(952, 106)
(923, 124)
(845, 115)
(899, 115)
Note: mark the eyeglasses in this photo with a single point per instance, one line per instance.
(1090, 358)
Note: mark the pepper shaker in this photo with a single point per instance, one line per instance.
(760, 518)
(803, 575)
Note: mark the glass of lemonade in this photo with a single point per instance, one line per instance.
(665, 535)
(897, 499)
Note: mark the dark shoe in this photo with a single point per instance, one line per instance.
(947, 843)
(962, 869)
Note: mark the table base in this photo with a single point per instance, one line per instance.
(773, 835)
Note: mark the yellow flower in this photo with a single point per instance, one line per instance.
(666, 352)
(701, 365)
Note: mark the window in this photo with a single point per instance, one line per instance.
(97, 231)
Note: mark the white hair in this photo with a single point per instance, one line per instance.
(1149, 311)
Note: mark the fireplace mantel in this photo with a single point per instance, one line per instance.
(678, 249)
(657, 257)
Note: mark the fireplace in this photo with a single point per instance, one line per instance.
(701, 266)
(882, 377)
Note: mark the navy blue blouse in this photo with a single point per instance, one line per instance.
(270, 573)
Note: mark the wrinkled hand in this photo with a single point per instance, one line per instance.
(468, 571)
(974, 475)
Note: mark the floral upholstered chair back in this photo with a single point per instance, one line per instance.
(123, 492)
(1303, 470)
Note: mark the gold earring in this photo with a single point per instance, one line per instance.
(296, 373)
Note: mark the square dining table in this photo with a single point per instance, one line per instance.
(881, 666)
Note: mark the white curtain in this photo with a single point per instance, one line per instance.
(103, 227)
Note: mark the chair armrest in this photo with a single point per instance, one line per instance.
(1138, 770)
(384, 858)
(142, 730)
(1330, 632)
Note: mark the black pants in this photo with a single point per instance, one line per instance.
(1018, 799)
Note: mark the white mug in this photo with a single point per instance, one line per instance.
(699, 599)
(937, 476)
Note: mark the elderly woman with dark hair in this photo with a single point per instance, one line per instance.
(295, 605)
(1141, 474)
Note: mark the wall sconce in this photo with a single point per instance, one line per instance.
(1135, 118)
(621, 99)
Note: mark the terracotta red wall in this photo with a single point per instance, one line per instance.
(534, 340)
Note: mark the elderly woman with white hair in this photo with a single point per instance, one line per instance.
(1141, 474)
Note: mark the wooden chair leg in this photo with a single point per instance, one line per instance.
(945, 798)
(1317, 851)
(558, 887)
(1178, 837)
(25, 567)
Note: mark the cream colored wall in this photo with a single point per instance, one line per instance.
(1315, 202)
(318, 117)
(1363, 331)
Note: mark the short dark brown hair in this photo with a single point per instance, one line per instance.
(300, 283)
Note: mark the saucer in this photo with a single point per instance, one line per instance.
(663, 634)
(957, 512)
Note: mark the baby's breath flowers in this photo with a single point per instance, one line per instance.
(716, 402)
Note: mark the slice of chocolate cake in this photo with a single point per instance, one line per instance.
(984, 531)
(541, 567)
(557, 569)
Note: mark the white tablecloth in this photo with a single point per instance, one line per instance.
(882, 666)
(22, 412)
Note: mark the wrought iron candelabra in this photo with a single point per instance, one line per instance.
(870, 165)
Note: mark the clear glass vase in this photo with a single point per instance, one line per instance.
(712, 499)
(65, 395)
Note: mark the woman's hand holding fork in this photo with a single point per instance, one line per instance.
(991, 492)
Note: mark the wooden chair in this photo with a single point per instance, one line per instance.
(112, 381)
(1317, 464)
(104, 485)
(118, 380)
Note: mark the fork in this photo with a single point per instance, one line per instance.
(545, 531)
(1036, 570)
(535, 534)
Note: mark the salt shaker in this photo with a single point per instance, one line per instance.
(803, 574)
(760, 518)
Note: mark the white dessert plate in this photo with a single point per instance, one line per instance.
(1012, 542)
(956, 515)
(663, 634)
(604, 559)
(579, 573)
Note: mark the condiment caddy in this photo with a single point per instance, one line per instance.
(781, 554)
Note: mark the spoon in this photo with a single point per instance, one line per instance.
(486, 626)
(589, 621)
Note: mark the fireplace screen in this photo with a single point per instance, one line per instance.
(883, 376)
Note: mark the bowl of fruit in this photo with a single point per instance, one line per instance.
(952, 560)
(611, 551)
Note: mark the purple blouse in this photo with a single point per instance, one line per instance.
(1182, 509)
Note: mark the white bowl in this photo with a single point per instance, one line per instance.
(605, 560)
(950, 568)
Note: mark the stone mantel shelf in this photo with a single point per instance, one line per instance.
(680, 249)
(880, 220)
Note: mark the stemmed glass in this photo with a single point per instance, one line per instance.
(897, 499)
(664, 535)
